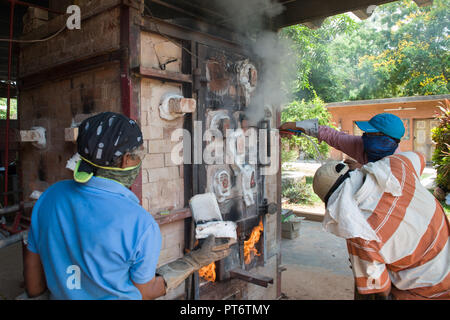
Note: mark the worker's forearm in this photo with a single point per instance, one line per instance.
(155, 289)
(35, 282)
(348, 144)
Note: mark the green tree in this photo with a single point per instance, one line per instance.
(301, 110)
(402, 50)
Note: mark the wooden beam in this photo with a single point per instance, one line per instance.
(174, 215)
(163, 75)
(298, 12)
(68, 69)
(200, 32)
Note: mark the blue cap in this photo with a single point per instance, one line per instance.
(386, 123)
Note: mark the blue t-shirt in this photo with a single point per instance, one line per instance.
(93, 239)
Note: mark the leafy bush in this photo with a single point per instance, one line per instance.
(441, 156)
(301, 110)
(288, 155)
(297, 192)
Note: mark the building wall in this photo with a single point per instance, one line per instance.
(55, 106)
(100, 33)
(69, 99)
(343, 117)
(162, 180)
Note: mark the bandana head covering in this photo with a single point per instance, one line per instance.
(102, 140)
(378, 147)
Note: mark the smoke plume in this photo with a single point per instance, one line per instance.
(251, 19)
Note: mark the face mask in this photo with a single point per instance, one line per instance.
(125, 177)
(378, 147)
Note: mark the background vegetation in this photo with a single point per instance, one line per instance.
(13, 111)
(401, 50)
(441, 156)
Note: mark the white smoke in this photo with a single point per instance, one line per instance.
(252, 19)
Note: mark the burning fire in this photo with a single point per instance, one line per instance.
(209, 272)
(249, 245)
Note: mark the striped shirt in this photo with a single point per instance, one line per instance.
(413, 257)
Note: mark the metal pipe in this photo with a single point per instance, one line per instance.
(257, 279)
(8, 103)
(13, 239)
(16, 207)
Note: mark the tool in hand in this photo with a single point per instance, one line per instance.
(297, 133)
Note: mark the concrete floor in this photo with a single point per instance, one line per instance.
(317, 266)
(11, 272)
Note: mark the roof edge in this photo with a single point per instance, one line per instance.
(387, 101)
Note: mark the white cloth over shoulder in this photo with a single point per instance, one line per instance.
(343, 216)
(381, 171)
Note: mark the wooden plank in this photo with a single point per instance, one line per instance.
(163, 75)
(69, 69)
(174, 215)
(177, 31)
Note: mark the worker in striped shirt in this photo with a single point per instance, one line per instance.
(397, 233)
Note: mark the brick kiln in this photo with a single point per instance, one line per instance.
(186, 73)
(166, 75)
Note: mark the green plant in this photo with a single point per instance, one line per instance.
(301, 110)
(401, 50)
(298, 192)
(441, 156)
(288, 155)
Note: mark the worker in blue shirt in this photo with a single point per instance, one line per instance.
(89, 237)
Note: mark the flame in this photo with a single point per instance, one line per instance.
(208, 272)
(249, 245)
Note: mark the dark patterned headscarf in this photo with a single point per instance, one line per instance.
(102, 140)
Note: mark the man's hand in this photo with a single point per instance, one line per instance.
(308, 126)
(288, 126)
(352, 164)
(174, 273)
(211, 251)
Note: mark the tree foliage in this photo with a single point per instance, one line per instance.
(301, 110)
(441, 156)
(401, 50)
